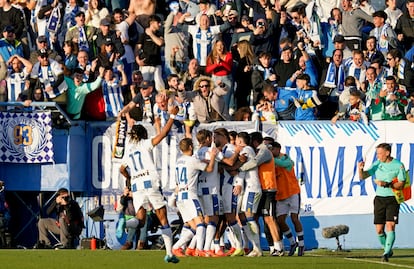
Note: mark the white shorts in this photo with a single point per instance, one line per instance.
(212, 204)
(189, 207)
(288, 205)
(229, 199)
(148, 199)
(250, 201)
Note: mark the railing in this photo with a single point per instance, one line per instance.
(62, 119)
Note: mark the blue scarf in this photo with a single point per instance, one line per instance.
(333, 79)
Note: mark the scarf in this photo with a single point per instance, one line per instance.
(381, 35)
(49, 79)
(357, 72)
(335, 79)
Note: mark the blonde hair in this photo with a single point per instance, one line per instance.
(246, 50)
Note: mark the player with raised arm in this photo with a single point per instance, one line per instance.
(142, 177)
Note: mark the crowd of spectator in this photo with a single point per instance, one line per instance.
(216, 60)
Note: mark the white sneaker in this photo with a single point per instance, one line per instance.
(255, 253)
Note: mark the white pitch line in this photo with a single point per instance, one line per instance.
(384, 263)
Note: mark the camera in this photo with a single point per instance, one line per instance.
(260, 24)
(141, 54)
(66, 198)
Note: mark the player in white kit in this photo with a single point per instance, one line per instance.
(248, 185)
(187, 170)
(209, 191)
(142, 177)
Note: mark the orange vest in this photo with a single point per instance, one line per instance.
(287, 183)
(267, 175)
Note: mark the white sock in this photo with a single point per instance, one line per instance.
(200, 235)
(210, 233)
(186, 235)
(167, 236)
(278, 245)
(193, 242)
(236, 232)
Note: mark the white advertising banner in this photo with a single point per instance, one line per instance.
(326, 157)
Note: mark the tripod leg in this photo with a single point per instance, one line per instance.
(338, 244)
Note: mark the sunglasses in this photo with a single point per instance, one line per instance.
(204, 86)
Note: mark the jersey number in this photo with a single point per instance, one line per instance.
(181, 177)
(136, 160)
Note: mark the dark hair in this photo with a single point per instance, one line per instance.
(378, 61)
(154, 18)
(350, 81)
(223, 132)
(256, 137)
(396, 53)
(276, 145)
(202, 135)
(245, 137)
(391, 78)
(62, 191)
(138, 132)
(385, 146)
(172, 76)
(372, 37)
(233, 134)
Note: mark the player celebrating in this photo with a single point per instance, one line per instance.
(144, 180)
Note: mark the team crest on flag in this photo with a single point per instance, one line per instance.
(26, 137)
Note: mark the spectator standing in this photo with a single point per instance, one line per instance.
(243, 74)
(383, 32)
(9, 45)
(219, 65)
(18, 77)
(95, 13)
(82, 34)
(353, 20)
(393, 12)
(50, 75)
(148, 55)
(394, 100)
(405, 26)
(203, 36)
(77, 91)
(12, 16)
(208, 99)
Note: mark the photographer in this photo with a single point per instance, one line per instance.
(68, 224)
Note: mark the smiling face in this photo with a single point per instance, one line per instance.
(204, 88)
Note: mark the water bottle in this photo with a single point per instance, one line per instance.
(93, 243)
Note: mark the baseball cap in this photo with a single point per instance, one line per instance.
(145, 84)
(233, 13)
(42, 53)
(339, 39)
(79, 13)
(9, 29)
(108, 41)
(105, 22)
(245, 18)
(41, 39)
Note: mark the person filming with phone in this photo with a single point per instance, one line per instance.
(68, 223)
